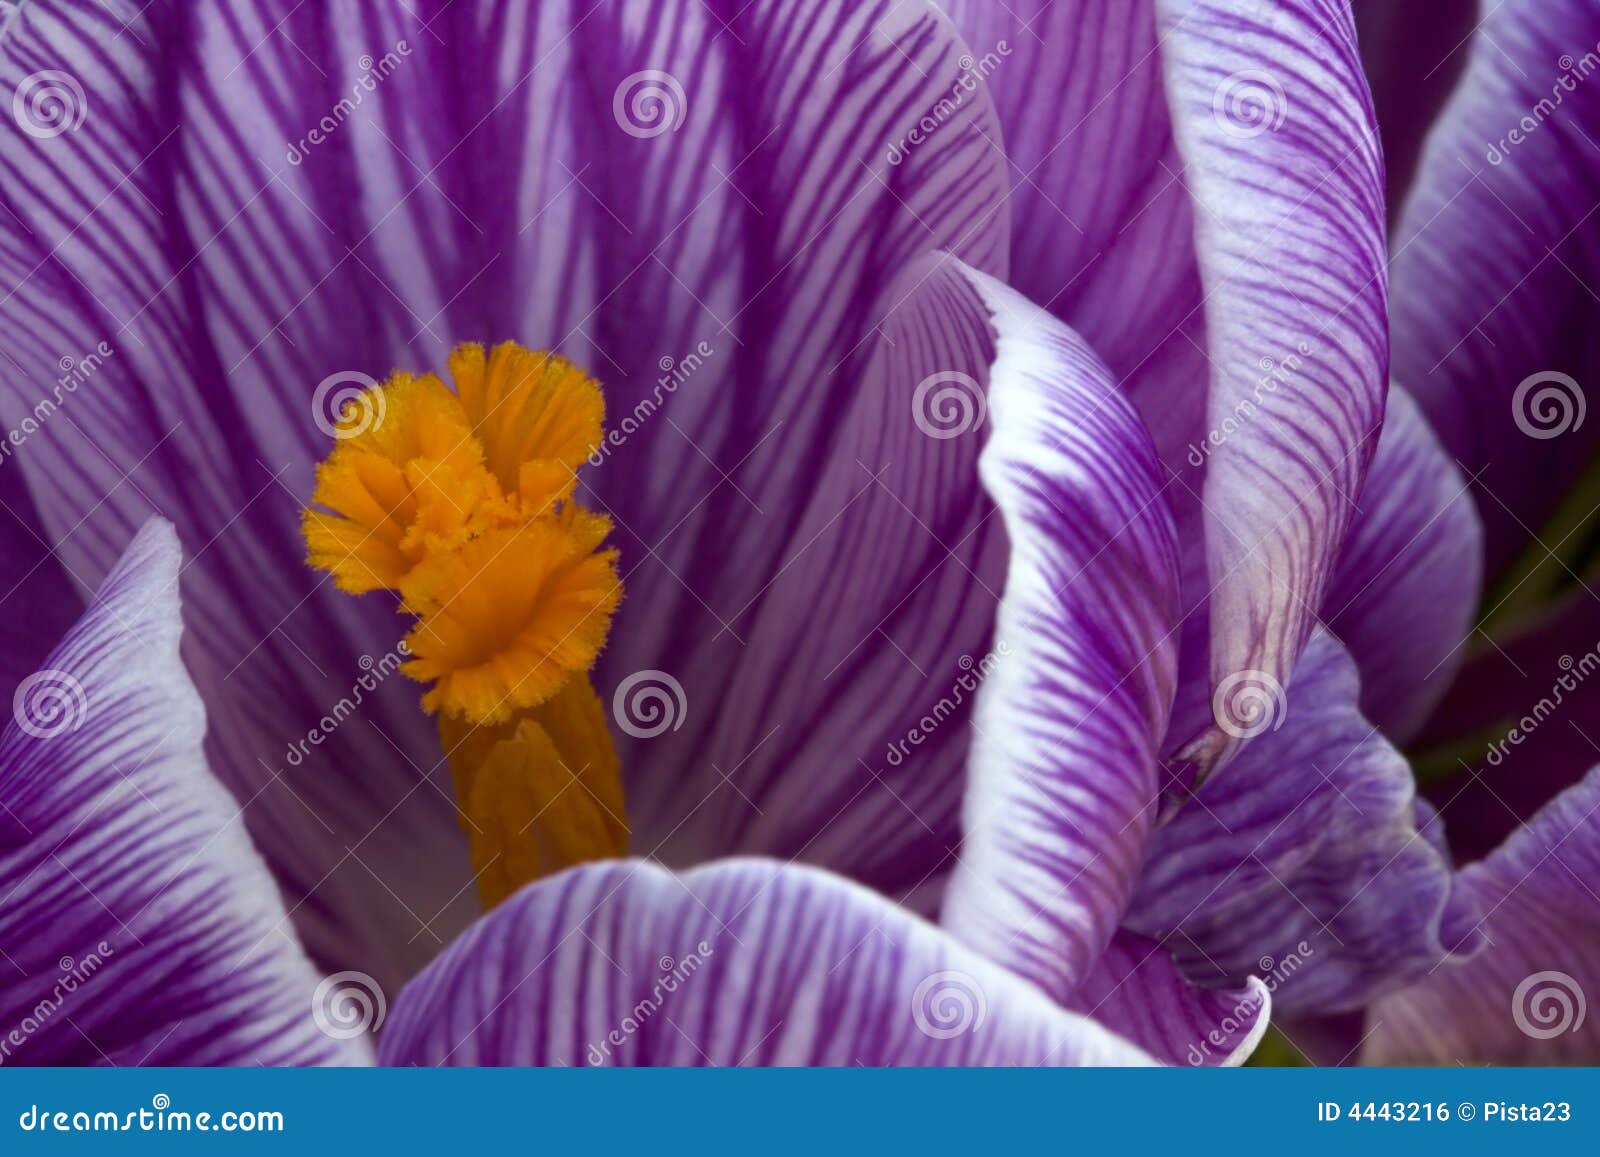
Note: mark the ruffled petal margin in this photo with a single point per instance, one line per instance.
(137, 923)
(740, 962)
(1523, 1000)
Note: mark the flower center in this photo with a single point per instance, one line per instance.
(461, 501)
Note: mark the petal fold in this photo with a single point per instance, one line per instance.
(1494, 257)
(1137, 991)
(1523, 1000)
(1405, 594)
(1303, 864)
(1274, 125)
(741, 962)
(138, 924)
(1062, 773)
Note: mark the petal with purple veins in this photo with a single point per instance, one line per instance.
(1078, 87)
(138, 925)
(1526, 998)
(1274, 125)
(1062, 775)
(742, 251)
(1137, 991)
(1233, 232)
(1493, 263)
(1303, 863)
(743, 962)
(1406, 590)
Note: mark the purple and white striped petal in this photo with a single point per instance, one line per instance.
(1494, 259)
(835, 726)
(1078, 87)
(1062, 775)
(742, 962)
(1233, 230)
(1137, 991)
(1406, 590)
(1274, 125)
(698, 202)
(1303, 864)
(1525, 998)
(137, 923)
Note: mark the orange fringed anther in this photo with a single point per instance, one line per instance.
(461, 501)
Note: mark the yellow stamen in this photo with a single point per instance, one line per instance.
(538, 794)
(508, 618)
(538, 416)
(462, 502)
(410, 484)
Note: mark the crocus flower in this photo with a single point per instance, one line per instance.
(920, 784)
(1493, 273)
